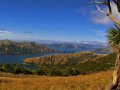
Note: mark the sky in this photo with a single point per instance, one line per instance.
(57, 20)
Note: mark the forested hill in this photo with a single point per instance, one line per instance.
(12, 47)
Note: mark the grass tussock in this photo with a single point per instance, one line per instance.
(96, 81)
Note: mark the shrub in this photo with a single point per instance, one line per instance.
(39, 72)
(54, 72)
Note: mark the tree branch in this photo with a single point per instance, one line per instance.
(99, 9)
(107, 3)
(109, 15)
(96, 2)
(100, 2)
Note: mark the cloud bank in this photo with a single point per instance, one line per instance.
(6, 34)
(99, 18)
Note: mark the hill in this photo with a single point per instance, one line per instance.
(106, 50)
(12, 47)
(83, 61)
(60, 59)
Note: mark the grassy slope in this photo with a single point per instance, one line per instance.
(97, 81)
(84, 62)
(100, 63)
(60, 59)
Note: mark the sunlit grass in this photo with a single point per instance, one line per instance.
(97, 81)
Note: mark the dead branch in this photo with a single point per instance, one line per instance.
(109, 15)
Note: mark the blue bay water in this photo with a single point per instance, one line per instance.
(18, 59)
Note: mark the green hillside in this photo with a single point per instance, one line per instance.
(11, 47)
(61, 59)
(84, 62)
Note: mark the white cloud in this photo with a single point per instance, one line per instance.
(4, 31)
(100, 33)
(99, 18)
(5, 34)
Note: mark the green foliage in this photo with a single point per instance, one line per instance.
(109, 59)
(54, 72)
(40, 72)
(70, 72)
(113, 36)
(13, 68)
(18, 69)
(100, 64)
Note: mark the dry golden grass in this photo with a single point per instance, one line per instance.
(97, 81)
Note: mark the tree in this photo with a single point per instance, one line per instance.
(113, 36)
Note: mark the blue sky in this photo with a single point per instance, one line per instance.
(59, 20)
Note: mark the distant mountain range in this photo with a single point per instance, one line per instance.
(77, 46)
(16, 47)
(49, 42)
(13, 47)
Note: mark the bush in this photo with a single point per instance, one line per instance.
(14, 68)
(54, 72)
(70, 72)
(26, 71)
(39, 72)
